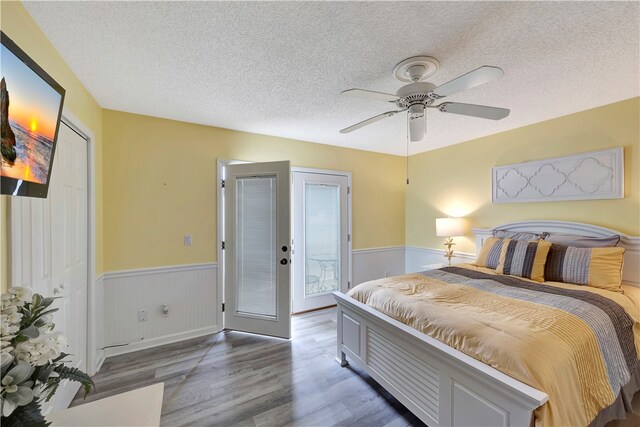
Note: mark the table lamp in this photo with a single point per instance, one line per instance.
(449, 228)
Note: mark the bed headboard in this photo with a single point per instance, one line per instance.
(631, 269)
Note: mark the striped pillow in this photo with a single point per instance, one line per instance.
(490, 253)
(524, 259)
(597, 267)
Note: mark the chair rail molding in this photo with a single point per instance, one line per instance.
(586, 176)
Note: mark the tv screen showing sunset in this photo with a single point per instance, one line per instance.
(29, 112)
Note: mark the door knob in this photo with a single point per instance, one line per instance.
(283, 261)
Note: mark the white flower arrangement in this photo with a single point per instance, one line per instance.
(31, 357)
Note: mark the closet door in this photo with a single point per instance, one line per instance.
(49, 249)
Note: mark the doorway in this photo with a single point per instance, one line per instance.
(321, 242)
(251, 305)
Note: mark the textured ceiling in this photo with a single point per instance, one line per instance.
(277, 68)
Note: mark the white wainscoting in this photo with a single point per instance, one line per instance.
(375, 263)
(416, 257)
(190, 290)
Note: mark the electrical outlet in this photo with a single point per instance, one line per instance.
(164, 310)
(142, 315)
(187, 240)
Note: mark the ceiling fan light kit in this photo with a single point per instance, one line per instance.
(416, 96)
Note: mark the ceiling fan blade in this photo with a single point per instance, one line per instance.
(482, 111)
(370, 120)
(472, 79)
(369, 94)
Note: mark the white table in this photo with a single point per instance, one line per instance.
(141, 407)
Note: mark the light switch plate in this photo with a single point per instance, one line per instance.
(187, 240)
(142, 315)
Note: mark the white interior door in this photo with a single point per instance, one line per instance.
(49, 249)
(321, 239)
(69, 210)
(257, 255)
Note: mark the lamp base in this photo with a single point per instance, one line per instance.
(449, 252)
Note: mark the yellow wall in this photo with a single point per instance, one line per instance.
(160, 174)
(160, 178)
(456, 180)
(16, 23)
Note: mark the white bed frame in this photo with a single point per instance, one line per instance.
(439, 384)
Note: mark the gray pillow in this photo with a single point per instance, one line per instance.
(583, 241)
(518, 235)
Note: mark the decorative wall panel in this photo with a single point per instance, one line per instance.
(586, 176)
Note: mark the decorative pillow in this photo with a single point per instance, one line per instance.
(490, 253)
(518, 235)
(524, 259)
(583, 241)
(597, 267)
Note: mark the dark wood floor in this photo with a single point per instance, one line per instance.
(232, 378)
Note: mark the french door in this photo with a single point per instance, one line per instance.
(257, 240)
(321, 238)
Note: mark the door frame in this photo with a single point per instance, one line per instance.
(93, 354)
(295, 169)
(220, 175)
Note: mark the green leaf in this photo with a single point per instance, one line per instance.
(44, 313)
(30, 332)
(36, 299)
(43, 376)
(62, 356)
(21, 372)
(46, 302)
(28, 415)
(75, 374)
(52, 391)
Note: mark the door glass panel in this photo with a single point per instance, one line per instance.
(255, 254)
(322, 238)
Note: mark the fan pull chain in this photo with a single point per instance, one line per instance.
(408, 148)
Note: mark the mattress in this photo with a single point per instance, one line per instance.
(578, 344)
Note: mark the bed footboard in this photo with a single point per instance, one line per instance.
(440, 385)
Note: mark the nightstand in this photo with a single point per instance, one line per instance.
(432, 266)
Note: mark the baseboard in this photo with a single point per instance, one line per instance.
(158, 341)
(100, 360)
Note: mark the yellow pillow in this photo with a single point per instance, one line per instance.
(524, 259)
(490, 253)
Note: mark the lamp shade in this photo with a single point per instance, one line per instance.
(449, 227)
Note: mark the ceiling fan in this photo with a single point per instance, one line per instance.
(418, 95)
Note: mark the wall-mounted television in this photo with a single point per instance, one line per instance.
(30, 110)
